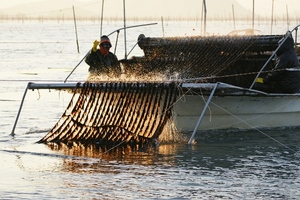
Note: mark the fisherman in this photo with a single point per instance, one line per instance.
(285, 76)
(102, 61)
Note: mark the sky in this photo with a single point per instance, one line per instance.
(182, 7)
(9, 3)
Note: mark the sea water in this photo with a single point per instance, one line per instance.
(220, 165)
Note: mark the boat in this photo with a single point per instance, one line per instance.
(223, 68)
(200, 93)
(232, 107)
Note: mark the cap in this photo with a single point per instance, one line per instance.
(105, 39)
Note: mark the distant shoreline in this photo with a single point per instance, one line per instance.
(21, 17)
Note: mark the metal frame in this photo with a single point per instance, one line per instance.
(212, 87)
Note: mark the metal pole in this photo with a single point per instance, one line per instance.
(116, 43)
(204, 3)
(125, 29)
(287, 17)
(203, 112)
(19, 112)
(266, 63)
(162, 26)
(76, 30)
(101, 18)
(296, 36)
(273, 54)
(135, 26)
(272, 16)
(202, 9)
(233, 17)
(76, 66)
(253, 16)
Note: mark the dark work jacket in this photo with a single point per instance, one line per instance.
(100, 64)
(285, 81)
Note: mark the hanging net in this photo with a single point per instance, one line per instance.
(115, 113)
(232, 59)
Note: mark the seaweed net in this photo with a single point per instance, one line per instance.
(218, 58)
(115, 113)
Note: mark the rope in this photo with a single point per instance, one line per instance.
(231, 75)
(255, 128)
(260, 131)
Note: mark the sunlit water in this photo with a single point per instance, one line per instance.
(230, 165)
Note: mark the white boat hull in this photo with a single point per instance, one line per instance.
(237, 112)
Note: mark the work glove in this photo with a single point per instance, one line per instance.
(259, 80)
(95, 45)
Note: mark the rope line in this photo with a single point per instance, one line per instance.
(255, 128)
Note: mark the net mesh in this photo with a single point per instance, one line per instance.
(218, 58)
(114, 113)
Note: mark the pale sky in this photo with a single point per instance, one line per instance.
(294, 3)
(8, 3)
(157, 7)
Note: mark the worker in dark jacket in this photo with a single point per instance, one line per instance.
(285, 76)
(102, 61)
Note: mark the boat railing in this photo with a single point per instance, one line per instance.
(124, 28)
(184, 85)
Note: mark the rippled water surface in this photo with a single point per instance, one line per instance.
(221, 165)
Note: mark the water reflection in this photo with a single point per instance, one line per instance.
(209, 144)
(128, 155)
(219, 164)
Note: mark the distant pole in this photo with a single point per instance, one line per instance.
(287, 17)
(233, 17)
(253, 15)
(162, 25)
(124, 29)
(272, 16)
(202, 13)
(76, 30)
(101, 18)
(205, 11)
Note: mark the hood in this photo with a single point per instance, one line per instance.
(287, 45)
